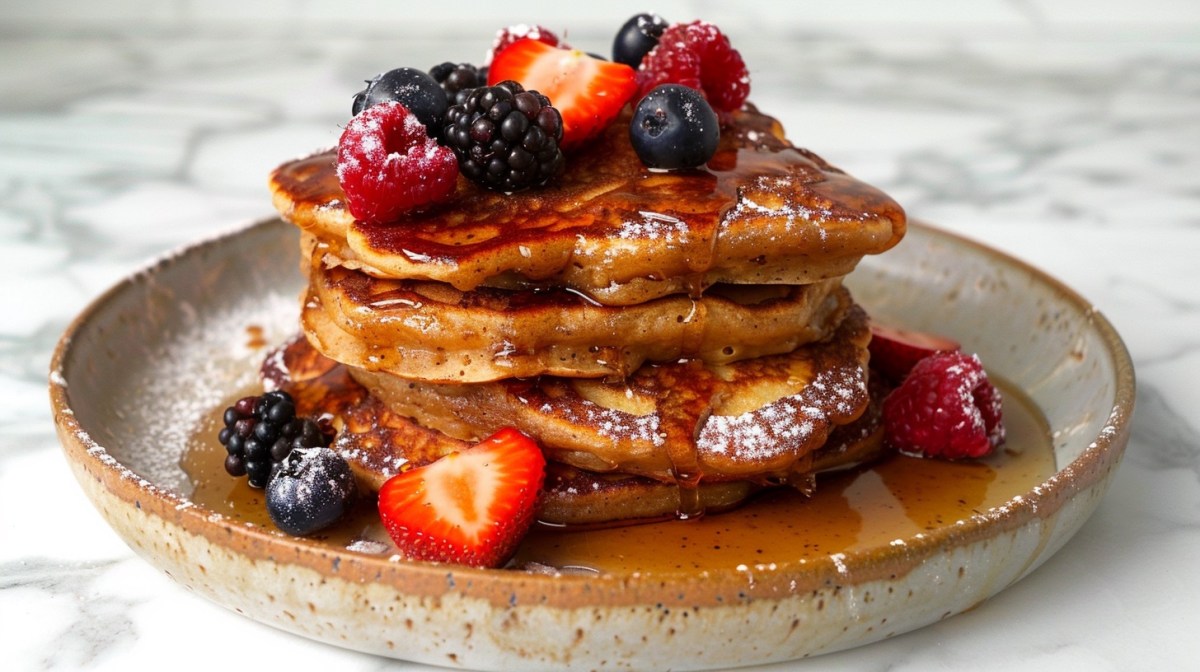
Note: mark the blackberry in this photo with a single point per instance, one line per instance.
(506, 138)
(261, 431)
(458, 77)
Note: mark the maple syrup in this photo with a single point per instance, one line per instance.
(760, 211)
(894, 499)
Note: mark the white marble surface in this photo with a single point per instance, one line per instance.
(1065, 133)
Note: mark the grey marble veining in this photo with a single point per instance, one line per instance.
(1067, 134)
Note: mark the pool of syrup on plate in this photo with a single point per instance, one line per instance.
(896, 498)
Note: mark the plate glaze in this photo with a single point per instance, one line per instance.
(135, 370)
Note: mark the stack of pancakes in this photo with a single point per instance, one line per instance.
(673, 341)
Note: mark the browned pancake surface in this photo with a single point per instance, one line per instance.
(761, 212)
(431, 331)
(760, 418)
(379, 443)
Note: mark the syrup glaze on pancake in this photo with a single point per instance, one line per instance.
(761, 212)
(681, 422)
(379, 443)
(433, 332)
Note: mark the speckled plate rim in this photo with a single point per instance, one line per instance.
(540, 621)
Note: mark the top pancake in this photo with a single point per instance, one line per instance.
(761, 212)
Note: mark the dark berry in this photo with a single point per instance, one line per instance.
(454, 78)
(235, 465)
(505, 138)
(310, 490)
(416, 90)
(636, 38)
(260, 431)
(674, 127)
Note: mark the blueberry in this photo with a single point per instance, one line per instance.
(309, 490)
(674, 127)
(414, 89)
(637, 37)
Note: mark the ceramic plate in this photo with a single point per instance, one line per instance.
(134, 372)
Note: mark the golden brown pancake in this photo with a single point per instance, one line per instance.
(761, 212)
(674, 341)
(759, 418)
(379, 443)
(432, 332)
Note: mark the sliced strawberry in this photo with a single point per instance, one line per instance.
(895, 351)
(587, 91)
(472, 507)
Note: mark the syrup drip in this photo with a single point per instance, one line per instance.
(860, 510)
(684, 402)
(565, 234)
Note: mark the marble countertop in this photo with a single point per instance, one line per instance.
(1066, 134)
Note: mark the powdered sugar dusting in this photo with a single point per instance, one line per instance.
(655, 226)
(790, 424)
(168, 347)
(611, 423)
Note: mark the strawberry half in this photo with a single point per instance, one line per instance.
(895, 351)
(471, 507)
(587, 91)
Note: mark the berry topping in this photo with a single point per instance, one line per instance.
(262, 430)
(698, 55)
(945, 408)
(636, 38)
(589, 92)
(309, 491)
(471, 507)
(673, 127)
(505, 37)
(416, 90)
(454, 78)
(895, 351)
(387, 165)
(505, 137)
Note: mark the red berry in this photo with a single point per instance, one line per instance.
(471, 507)
(895, 351)
(588, 92)
(387, 164)
(945, 408)
(697, 55)
(520, 31)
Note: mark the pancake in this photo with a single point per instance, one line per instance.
(757, 419)
(761, 212)
(673, 341)
(432, 332)
(379, 443)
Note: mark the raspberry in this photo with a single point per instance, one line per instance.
(697, 55)
(945, 408)
(521, 31)
(387, 164)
